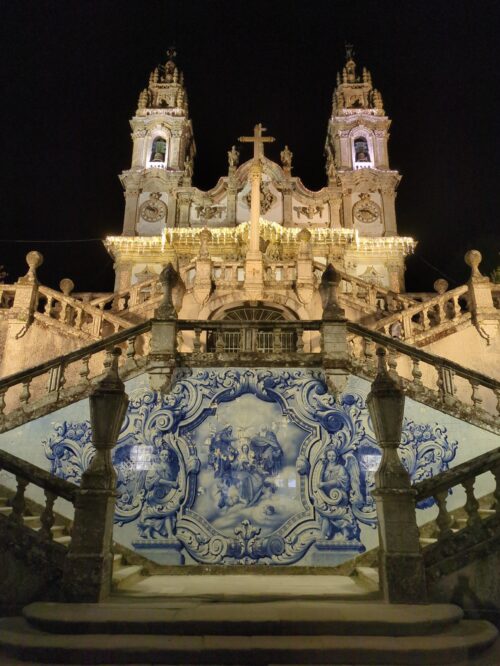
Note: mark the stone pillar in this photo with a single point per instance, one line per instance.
(254, 278)
(88, 565)
(286, 191)
(401, 567)
(389, 203)
(161, 361)
(305, 280)
(26, 296)
(333, 333)
(202, 286)
(130, 217)
(481, 306)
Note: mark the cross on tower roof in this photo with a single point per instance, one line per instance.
(258, 141)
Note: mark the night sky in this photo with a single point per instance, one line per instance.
(71, 72)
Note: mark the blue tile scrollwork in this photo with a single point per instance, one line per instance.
(247, 466)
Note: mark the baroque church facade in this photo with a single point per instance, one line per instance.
(273, 363)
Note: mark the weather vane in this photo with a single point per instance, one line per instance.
(349, 51)
(171, 52)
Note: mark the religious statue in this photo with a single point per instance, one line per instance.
(286, 158)
(160, 512)
(233, 157)
(336, 489)
(188, 167)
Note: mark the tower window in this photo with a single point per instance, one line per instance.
(158, 149)
(361, 150)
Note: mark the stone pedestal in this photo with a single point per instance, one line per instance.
(402, 574)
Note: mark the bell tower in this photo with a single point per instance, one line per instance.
(357, 155)
(162, 155)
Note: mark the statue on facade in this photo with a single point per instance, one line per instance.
(188, 167)
(233, 157)
(286, 157)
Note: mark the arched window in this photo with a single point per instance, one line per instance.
(361, 150)
(158, 149)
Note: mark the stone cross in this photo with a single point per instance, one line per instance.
(258, 141)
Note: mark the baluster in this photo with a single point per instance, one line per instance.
(471, 504)
(277, 341)
(300, 340)
(392, 362)
(197, 341)
(18, 503)
(130, 351)
(369, 352)
(416, 373)
(25, 392)
(443, 519)
(62, 311)
(219, 342)
(426, 324)
(476, 399)
(47, 518)
(407, 327)
(446, 385)
(79, 318)
(85, 370)
(456, 307)
(48, 306)
(108, 359)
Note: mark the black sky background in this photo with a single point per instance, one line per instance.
(71, 72)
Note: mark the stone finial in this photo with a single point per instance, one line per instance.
(441, 286)
(34, 260)
(473, 258)
(168, 279)
(386, 403)
(330, 281)
(66, 286)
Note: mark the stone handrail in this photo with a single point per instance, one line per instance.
(380, 299)
(127, 299)
(77, 315)
(423, 319)
(30, 393)
(460, 474)
(457, 544)
(425, 377)
(37, 476)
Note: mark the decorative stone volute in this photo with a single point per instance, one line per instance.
(330, 281)
(441, 286)
(34, 259)
(66, 285)
(168, 278)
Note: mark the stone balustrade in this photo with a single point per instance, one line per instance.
(36, 391)
(428, 378)
(423, 320)
(130, 298)
(76, 315)
(476, 535)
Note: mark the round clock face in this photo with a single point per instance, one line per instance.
(153, 210)
(366, 211)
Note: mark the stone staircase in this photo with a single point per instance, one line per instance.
(297, 631)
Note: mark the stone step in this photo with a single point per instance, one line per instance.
(368, 576)
(32, 521)
(427, 541)
(57, 530)
(5, 510)
(126, 576)
(118, 562)
(452, 645)
(195, 617)
(65, 540)
(4, 501)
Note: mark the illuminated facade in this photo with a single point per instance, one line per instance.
(351, 222)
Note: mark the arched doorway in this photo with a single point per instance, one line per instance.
(253, 330)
